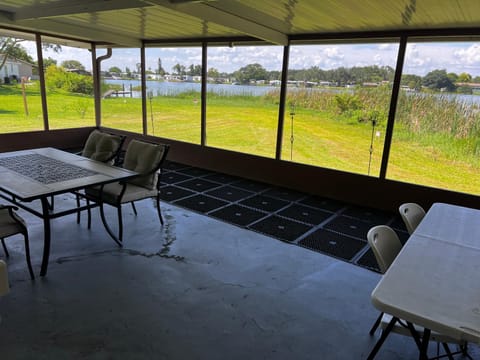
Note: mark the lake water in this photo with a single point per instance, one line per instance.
(165, 88)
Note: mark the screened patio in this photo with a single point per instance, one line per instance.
(199, 287)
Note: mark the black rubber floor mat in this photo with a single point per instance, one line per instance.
(238, 215)
(194, 171)
(223, 179)
(305, 214)
(280, 213)
(284, 194)
(198, 184)
(368, 261)
(229, 193)
(173, 177)
(281, 228)
(349, 226)
(377, 217)
(333, 244)
(323, 203)
(201, 203)
(264, 203)
(252, 185)
(172, 193)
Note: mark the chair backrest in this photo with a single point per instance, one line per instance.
(147, 159)
(102, 146)
(411, 214)
(10, 222)
(385, 245)
(4, 288)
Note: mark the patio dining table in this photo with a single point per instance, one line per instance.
(433, 281)
(39, 174)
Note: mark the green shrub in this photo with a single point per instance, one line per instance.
(58, 78)
(347, 103)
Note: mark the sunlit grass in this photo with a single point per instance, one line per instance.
(248, 124)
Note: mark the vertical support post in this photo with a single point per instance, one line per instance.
(41, 76)
(96, 86)
(393, 106)
(281, 106)
(144, 90)
(203, 96)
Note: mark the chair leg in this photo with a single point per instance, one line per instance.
(120, 223)
(51, 205)
(118, 239)
(78, 211)
(382, 339)
(134, 208)
(27, 255)
(5, 248)
(464, 351)
(376, 324)
(89, 215)
(159, 211)
(447, 350)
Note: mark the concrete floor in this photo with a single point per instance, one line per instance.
(195, 289)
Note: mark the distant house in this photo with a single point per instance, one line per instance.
(15, 69)
(154, 76)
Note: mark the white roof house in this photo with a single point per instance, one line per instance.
(15, 68)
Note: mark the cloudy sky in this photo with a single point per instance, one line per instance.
(421, 57)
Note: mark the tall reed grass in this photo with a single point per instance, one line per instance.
(447, 120)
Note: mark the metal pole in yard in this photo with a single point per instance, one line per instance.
(24, 94)
(292, 114)
(374, 123)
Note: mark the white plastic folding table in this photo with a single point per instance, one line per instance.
(434, 281)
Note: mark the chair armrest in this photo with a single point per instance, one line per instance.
(9, 207)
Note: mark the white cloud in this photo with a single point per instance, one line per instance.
(333, 53)
(420, 59)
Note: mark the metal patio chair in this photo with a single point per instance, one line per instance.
(144, 158)
(12, 224)
(4, 286)
(104, 147)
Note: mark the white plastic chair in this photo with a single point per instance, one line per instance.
(411, 214)
(385, 245)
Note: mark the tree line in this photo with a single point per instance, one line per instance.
(435, 80)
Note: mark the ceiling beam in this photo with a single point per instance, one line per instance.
(81, 32)
(208, 12)
(73, 7)
(247, 12)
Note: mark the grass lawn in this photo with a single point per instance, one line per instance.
(249, 125)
